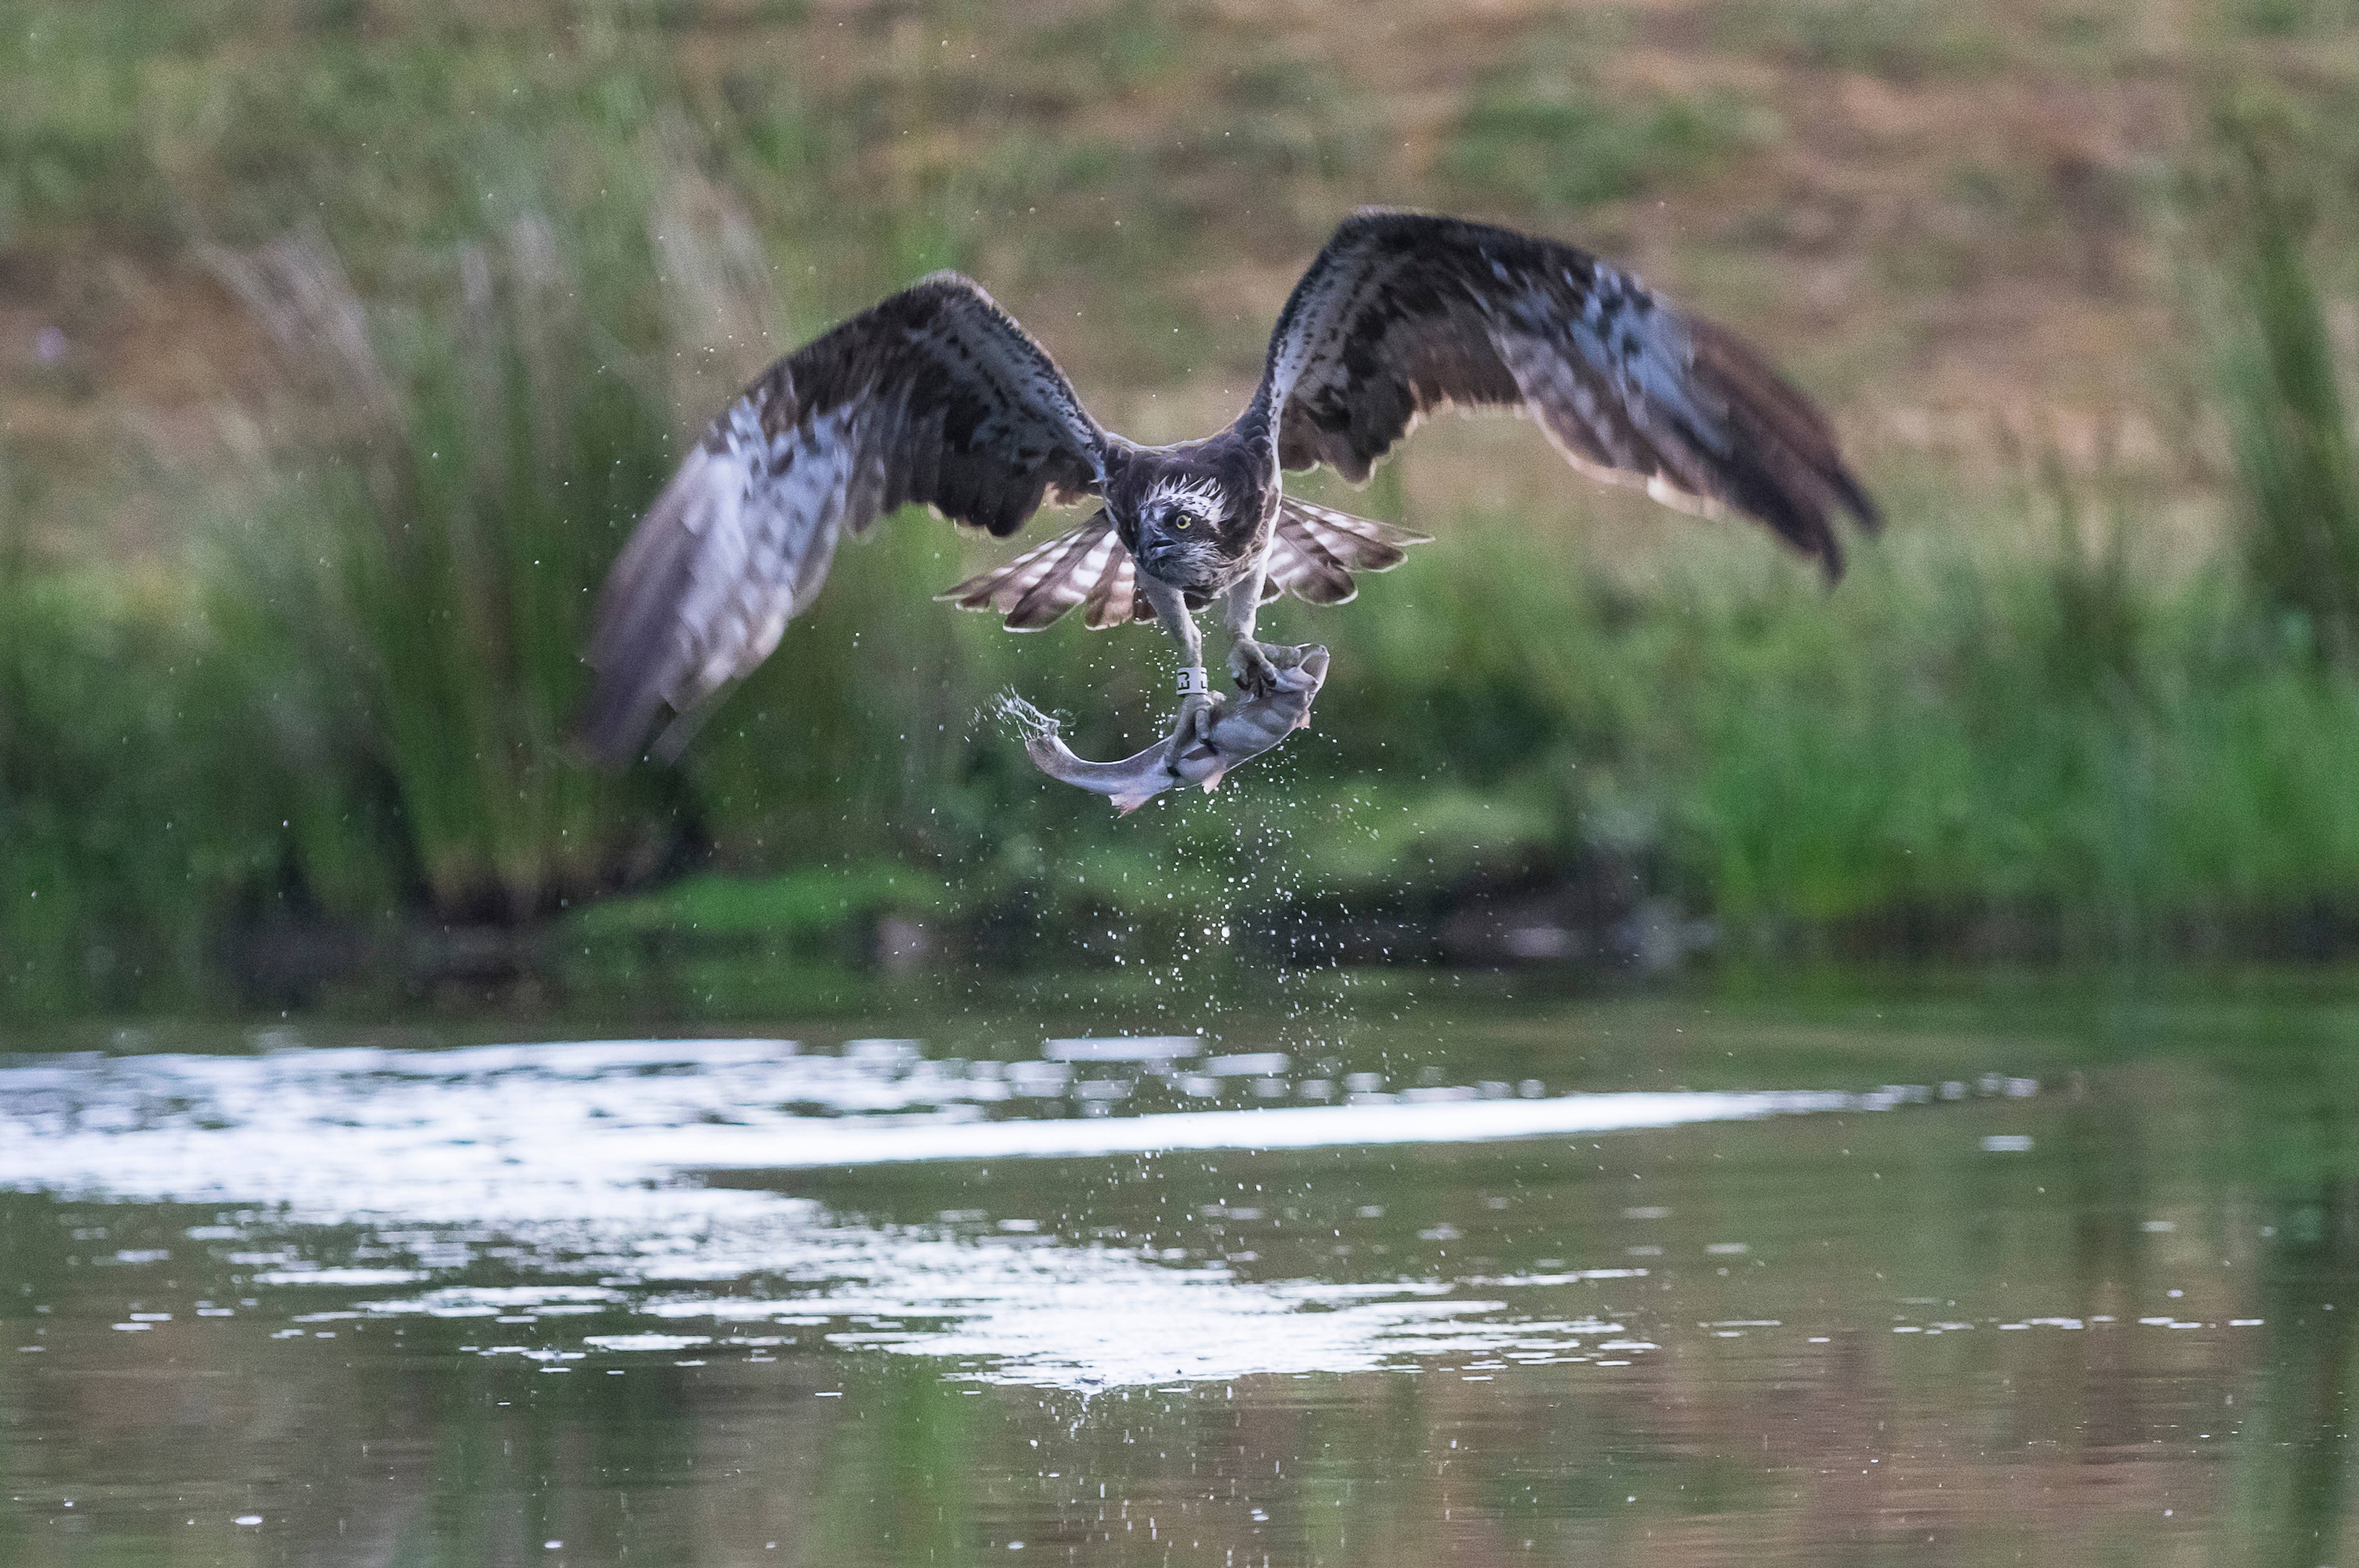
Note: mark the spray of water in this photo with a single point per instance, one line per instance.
(1019, 719)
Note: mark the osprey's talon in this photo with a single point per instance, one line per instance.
(1254, 670)
(1199, 712)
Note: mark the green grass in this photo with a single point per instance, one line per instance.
(131, 826)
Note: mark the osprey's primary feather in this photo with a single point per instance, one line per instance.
(1403, 313)
(937, 395)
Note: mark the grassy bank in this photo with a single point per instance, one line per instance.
(359, 334)
(1948, 754)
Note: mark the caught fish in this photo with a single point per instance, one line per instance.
(1241, 732)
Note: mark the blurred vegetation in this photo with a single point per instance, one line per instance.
(424, 574)
(1544, 135)
(1898, 40)
(482, 288)
(2295, 460)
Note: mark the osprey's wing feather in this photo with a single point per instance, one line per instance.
(934, 394)
(1403, 313)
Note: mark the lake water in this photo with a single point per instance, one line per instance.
(2066, 1278)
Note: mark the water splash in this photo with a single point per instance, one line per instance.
(1021, 720)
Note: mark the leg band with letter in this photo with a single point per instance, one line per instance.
(1194, 681)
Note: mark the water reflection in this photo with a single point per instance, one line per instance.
(570, 1160)
(430, 1307)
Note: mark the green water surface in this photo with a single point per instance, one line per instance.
(2087, 1292)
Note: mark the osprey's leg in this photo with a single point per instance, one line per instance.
(1198, 706)
(1249, 659)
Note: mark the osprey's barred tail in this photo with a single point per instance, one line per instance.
(1314, 550)
(1314, 553)
(1083, 565)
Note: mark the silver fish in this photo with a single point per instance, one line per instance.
(1241, 732)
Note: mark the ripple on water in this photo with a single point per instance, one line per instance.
(581, 1160)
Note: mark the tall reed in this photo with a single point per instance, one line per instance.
(2297, 469)
(436, 558)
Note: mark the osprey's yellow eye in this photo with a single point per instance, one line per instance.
(1184, 521)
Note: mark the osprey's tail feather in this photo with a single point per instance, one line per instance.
(1083, 565)
(1313, 552)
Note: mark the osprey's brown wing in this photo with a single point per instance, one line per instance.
(1403, 313)
(935, 394)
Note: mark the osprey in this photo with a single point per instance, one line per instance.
(938, 396)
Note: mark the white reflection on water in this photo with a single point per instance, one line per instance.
(584, 1156)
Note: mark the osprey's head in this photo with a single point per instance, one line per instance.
(1187, 529)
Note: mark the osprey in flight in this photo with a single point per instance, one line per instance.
(938, 396)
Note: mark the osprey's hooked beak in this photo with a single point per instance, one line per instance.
(1161, 557)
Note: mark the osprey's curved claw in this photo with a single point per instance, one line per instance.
(1254, 666)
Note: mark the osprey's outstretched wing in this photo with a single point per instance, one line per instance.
(935, 396)
(1402, 313)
